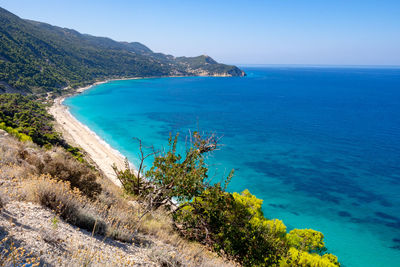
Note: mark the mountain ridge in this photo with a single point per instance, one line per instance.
(36, 57)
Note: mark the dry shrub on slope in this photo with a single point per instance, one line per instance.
(56, 162)
(61, 165)
(108, 213)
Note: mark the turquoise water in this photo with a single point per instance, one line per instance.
(321, 146)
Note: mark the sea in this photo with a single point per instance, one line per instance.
(320, 145)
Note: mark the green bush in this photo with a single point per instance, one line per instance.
(182, 178)
(28, 120)
(233, 223)
(307, 248)
(307, 240)
(296, 257)
(20, 136)
(173, 177)
(131, 183)
(29, 117)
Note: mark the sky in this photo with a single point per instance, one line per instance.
(317, 32)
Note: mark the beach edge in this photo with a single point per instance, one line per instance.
(101, 153)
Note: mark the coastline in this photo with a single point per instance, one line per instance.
(98, 150)
(79, 134)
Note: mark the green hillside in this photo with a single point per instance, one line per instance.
(37, 57)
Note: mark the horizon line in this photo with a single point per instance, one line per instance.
(315, 65)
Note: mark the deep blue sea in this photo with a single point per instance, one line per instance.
(320, 146)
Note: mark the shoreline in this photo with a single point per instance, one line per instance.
(98, 150)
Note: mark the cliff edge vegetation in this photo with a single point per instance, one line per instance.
(57, 211)
(170, 214)
(231, 224)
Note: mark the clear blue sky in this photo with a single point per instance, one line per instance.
(349, 32)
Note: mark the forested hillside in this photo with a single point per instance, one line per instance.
(37, 57)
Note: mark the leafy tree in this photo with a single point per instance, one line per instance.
(253, 206)
(178, 177)
(172, 178)
(134, 182)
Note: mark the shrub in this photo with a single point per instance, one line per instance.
(62, 166)
(29, 117)
(57, 196)
(20, 136)
(172, 178)
(165, 259)
(28, 159)
(307, 240)
(229, 223)
(28, 120)
(234, 224)
(133, 184)
(307, 249)
(182, 178)
(297, 257)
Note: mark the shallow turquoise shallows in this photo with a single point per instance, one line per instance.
(321, 146)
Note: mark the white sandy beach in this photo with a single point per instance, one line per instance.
(97, 149)
(102, 154)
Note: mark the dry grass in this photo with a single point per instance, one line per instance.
(115, 217)
(13, 255)
(159, 225)
(166, 258)
(24, 176)
(67, 203)
(27, 159)
(93, 257)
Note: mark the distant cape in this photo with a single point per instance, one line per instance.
(36, 57)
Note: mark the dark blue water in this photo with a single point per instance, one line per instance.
(321, 146)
